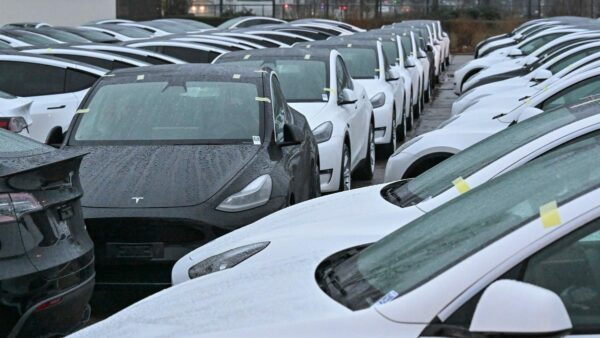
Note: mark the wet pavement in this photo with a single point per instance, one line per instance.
(435, 113)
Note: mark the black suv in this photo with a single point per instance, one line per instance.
(46, 256)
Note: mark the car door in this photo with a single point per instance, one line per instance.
(356, 119)
(568, 267)
(45, 85)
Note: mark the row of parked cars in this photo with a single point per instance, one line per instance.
(172, 135)
(500, 239)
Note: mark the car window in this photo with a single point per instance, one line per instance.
(362, 63)
(279, 109)
(342, 77)
(583, 90)
(290, 40)
(90, 60)
(78, 80)
(571, 59)
(162, 109)
(390, 49)
(31, 79)
(538, 42)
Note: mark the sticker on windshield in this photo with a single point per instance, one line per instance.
(246, 57)
(108, 75)
(50, 50)
(461, 185)
(325, 97)
(331, 90)
(307, 57)
(140, 77)
(83, 111)
(307, 46)
(390, 296)
(549, 215)
(349, 45)
(262, 99)
(236, 76)
(256, 140)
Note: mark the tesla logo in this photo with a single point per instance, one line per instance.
(137, 199)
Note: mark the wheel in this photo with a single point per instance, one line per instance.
(345, 169)
(315, 189)
(389, 148)
(367, 167)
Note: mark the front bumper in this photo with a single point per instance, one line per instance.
(330, 163)
(139, 246)
(38, 305)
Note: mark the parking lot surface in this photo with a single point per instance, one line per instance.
(435, 113)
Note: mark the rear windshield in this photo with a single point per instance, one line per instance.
(13, 145)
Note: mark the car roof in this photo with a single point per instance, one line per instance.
(209, 70)
(321, 54)
(54, 60)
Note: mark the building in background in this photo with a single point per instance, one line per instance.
(56, 12)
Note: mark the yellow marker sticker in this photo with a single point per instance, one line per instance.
(262, 99)
(349, 45)
(140, 77)
(461, 185)
(108, 75)
(307, 46)
(331, 90)
(50, 50)
(549, 215)
(307, 57)
(236, 76)
(246, 57)
(83, 111)
(377, 69)
(260, 71)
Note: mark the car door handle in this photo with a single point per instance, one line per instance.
(57, 107)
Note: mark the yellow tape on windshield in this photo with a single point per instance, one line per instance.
(236, 76)
(307, 57)
(349, 45)
(108, 75)
(549, 215)
(331, 90)
(140, 77)
(246, 57)
(461, 185)
(262, 99)
(83, 111)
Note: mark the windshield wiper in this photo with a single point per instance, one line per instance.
(499, 116)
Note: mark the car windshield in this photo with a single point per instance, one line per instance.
(14, 145)
(230, 23)
(435, 242)
(132, 32)
(169, 27)
(63, 36)
(301, 80)
(361, 62)
(167, 110)
(30, 38)
(196, 25)
(534, 44)
(439, 178)
(95, 36)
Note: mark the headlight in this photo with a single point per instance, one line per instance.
(406, 145)
(378, 100)
(255, 194)
(225, 260)
(323, 132)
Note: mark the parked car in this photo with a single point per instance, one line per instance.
(248, 21)
(57, 34)
(134, 53)
(55, 87)
(100, 59)
(369, 68)
(120, 32)
(182, 50)
(18, 38)
(46, 256)
(316, 83)
(88, 34)
(175, 160)
(192, 25)
(496, 259)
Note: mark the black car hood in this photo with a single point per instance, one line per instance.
(159, 175)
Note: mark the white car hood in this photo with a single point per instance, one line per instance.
(311, 110)
(275, 286)
(16, 107)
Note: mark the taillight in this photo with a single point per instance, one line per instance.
(14, 124)
(22, 203)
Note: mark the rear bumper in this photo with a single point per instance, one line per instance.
(47, 311)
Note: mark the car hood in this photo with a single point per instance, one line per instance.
(279, 284)
(310, 110)
(159, 175)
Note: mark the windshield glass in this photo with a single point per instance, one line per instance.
(95, 36)
(169, 27)
(30, 38)
(571, 59)
(435, 242)
(361, 62)
(301, 80)
(230, 23)
(538, 42)
(171, 111)
(132, 32)
(439, 178)
(63, 36)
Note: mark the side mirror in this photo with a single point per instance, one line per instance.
(409, 64)
(429, 48)
(421, 54)
(514, 308)
(528, 112)
(515, 52)
(292, 135)
(392, 75)
(542, 75)
(56, 137)
(348, 96)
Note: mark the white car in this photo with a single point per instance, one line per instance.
(325, 28)
(578, 48)
(316, 83)
(55, 86)
(120, 32)
(517, 36)
(473, 125)
(248, 21)
(186, 51)
(236, 40)
(100, 59)
(523, 49)
(14, 113)
(444, 272)
(368, 67)
(227, 45)
(343, 25)
(19, 38)
(528, 84)
(134, 53)
(261, 40)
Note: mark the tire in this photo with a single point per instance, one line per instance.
(367, 167)
(315, 189)
(345, 169)
(388, 149)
